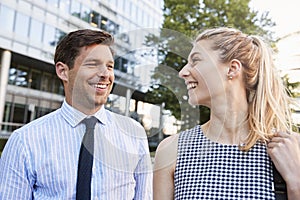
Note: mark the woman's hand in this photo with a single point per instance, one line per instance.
(284, 150)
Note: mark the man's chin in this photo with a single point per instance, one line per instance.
(100, 102)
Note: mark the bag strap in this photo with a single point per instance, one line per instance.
(279, 185)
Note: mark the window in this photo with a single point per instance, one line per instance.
(6, 18)
(18, 115)
(95, 17)
(103, 23)
(6, 116)
(49, 35)
(133, 10)
(45, 84)
(35, 79)
(22, 25)
(18, 76)
(53, 3)
(75, 9)
(58, 86)
(112, 27)
(40, 111)
(121, 64)
(85, 14)
(15, 113)
(64, 5)
(59, 35)
(36, 30)
(109, 26)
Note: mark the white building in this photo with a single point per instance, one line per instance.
(30, 30)
(288, 61)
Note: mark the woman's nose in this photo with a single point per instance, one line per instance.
(184, 72)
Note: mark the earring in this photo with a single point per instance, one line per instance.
(229, 77)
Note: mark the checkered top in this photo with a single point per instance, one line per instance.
(209, 170)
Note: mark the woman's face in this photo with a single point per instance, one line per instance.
(204, 74)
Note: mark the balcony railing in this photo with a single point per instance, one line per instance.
(7, 127)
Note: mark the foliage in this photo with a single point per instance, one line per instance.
(291, 87)
(183, 20)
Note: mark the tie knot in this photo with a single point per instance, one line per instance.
(90, 122)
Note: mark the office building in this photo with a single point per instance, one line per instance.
(30, 30)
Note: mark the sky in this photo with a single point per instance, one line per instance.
(285, 13)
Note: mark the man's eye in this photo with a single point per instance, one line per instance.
(91, 64)
(110, 66)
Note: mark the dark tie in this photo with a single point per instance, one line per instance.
(85, 162)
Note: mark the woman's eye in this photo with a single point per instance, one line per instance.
(195, 60)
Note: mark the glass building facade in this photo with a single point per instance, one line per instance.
(30, 30)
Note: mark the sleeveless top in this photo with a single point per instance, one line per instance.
(209, 170)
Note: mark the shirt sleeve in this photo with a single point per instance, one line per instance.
(14, 178)
(143, 175)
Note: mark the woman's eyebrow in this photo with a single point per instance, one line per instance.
(194, 54)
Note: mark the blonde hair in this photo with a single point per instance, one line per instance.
(269, 109)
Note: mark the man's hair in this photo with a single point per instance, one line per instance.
(69, 47)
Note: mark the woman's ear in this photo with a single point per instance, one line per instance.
(234, 68)
(62, 71)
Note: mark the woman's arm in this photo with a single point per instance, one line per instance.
(164, 168)
(284, 150)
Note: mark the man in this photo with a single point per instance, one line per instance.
(41, 159)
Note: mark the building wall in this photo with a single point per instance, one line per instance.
(30, 31)
(288, 62)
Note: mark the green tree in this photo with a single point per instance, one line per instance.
(291, 86)
(183, 20)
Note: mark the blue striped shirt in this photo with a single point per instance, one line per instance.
(40, 159)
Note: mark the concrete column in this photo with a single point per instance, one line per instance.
(128, 97)
(5, 64)
(161, 123)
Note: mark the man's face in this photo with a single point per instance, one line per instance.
(91, 79)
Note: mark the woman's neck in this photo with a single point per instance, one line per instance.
(229, 127)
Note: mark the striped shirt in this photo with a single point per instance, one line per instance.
(40, 159)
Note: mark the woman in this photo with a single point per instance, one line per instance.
(230, 156)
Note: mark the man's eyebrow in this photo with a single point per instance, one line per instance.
(91, 60)
(96, 61)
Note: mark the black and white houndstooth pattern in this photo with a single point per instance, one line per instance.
(209, 170)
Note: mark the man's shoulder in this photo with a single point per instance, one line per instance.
(125, 123)
(118, 118)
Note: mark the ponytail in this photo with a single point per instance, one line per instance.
(269, 102)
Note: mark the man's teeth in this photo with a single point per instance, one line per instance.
(101, 86)
(191, 85)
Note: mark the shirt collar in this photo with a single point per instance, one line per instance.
(74, 116)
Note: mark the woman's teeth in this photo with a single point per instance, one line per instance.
(191, 85)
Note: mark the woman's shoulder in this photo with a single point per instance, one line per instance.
(166, 152)
(190, 133)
